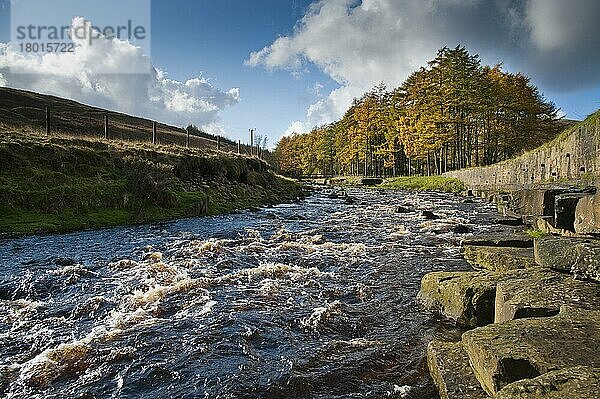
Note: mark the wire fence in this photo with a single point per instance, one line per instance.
(81, 121)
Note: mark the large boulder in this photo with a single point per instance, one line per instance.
(539, 202)
(464, 297)
(587, 266)
(498, 258)
(501, 354)
(581, 257)
(543, 296)
(570, 383)
(555, 253)
(449, 367)
(518, 240)
(587, 215)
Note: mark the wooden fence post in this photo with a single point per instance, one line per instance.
(106, 126)
(187, 138)
(154, 133)
(218, 143)
(239, 147)
(47, 121)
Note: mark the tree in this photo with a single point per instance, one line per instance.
(451, 114)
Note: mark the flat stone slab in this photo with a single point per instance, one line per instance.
(576, 383)
(587, 215)
(520, 240)
(581, 257)
(449, 367)
(534, 201)
(543, 296)
(468, 298)
(501, 354)
(498, 258)
(555, 253)
(464, 297)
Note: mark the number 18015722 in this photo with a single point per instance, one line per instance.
(47, 47)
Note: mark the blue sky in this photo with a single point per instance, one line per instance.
(216, 37)
(293, 76)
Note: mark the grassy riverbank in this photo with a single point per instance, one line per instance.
(60, 184)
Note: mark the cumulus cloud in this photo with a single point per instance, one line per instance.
(296, 127)
(362, 43)
(95, 74)
(558, 25)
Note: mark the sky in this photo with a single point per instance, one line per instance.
(285, 66)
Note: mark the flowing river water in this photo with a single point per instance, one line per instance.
(307, 300)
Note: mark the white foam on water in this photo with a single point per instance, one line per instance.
(66, 358)
(401, 391)
(273, 271)
(269, 287)
(358, 343)
(211, 246)
(321, 314)
(153, 256)
(123, 264)
(195, 309)
(148, 282)
(19, 310)
(76, 269)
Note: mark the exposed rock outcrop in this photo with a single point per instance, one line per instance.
(564, 210)
(429, 215)
(405, 209)
(581, 257)
(449, 367)
(587, 215)
(517, 240)
(543, 296)
(464, 297)
(576, 383)
(545, 341)
(498, 259)
(501, 354)
(371, 181)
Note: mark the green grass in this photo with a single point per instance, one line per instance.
(61, 184)
(535, 233)
(424, 183)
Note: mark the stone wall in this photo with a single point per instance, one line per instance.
(573, 156)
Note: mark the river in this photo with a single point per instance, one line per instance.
(307, 300)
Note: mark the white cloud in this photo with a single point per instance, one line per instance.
(296, 127)
(362, 43)
(556, 25)
(317, 89)
(93, 74)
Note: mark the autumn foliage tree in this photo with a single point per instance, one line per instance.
(453, 113)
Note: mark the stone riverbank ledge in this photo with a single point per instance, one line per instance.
(530, 306)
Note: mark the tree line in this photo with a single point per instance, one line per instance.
(453, 113)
